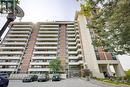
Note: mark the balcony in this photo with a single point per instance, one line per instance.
(50, 25)
(22, 26)
(70, 25)
(72, 57)
(51, 35)
(71, 39)
(48, 32)
(39, 63)
(20, 32)
(42, 57)
(80, 56)
(70, 28)
(72, 52)
(70, 31)
(25, 29)
(49, 28)
(80, 62)
(12, 48)
(16, 39)
(9, 52)
(14, 43)
(17, 35)
(9, 63)
(46, 39)
(43, 43)
(72, 43)
(45, 47)
(78, 39)
(107, 61)
(8, 69)
(72, 47)
(76, 63)
(44, 52)
(38, 69)
(71, 35)
(79, 50)
(11, 58)
(73, 63)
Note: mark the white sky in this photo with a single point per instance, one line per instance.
(54, 10)
(51, 10)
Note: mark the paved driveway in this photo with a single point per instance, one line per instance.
(72, 82)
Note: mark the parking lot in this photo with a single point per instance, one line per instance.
(72, 82)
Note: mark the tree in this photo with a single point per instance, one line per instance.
(127, 75)
(110, 21)
(55, 65)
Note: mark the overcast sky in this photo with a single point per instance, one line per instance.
(49, 10)
(53, 10)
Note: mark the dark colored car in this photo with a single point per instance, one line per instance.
(56, 78)
(42, 78)
(4, 82)
(5, 75)
(30, 78)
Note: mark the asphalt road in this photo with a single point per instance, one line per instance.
(72, 82)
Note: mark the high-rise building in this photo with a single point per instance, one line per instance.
(28, 48)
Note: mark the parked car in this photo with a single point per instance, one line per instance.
(43, 78)
(4, 81)
(30, 78)
(56, 78)
(5, 75)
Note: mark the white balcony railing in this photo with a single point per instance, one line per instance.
(47, 47)
(42, 43)
(72, 57)
(47, 38)
(42, 57)
(26, 29)
(9, 63)
(39, 63)
(19, 32)
(16, 39)
(12, 58)
(9, 52)
(7, 69)
(14, 43)
(38, 69)
(48, 31)
(12, 47)
(44, 52)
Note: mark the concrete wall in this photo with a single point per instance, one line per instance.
(89, 53)
(119, 69)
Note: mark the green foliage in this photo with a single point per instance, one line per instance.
(110, 22)
(55, 65)
(127, 75)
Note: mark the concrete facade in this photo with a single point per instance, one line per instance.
(98, 62)
(28, 48)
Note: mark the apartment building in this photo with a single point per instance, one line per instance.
(14, 46)
(28, 48)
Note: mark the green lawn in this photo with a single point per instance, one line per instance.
(113, 81)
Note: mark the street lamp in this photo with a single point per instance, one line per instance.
(11, 8)
(8, 6)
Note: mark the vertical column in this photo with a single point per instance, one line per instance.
(109, 70)
(88, 49)
(119, 70)
(62, 47)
